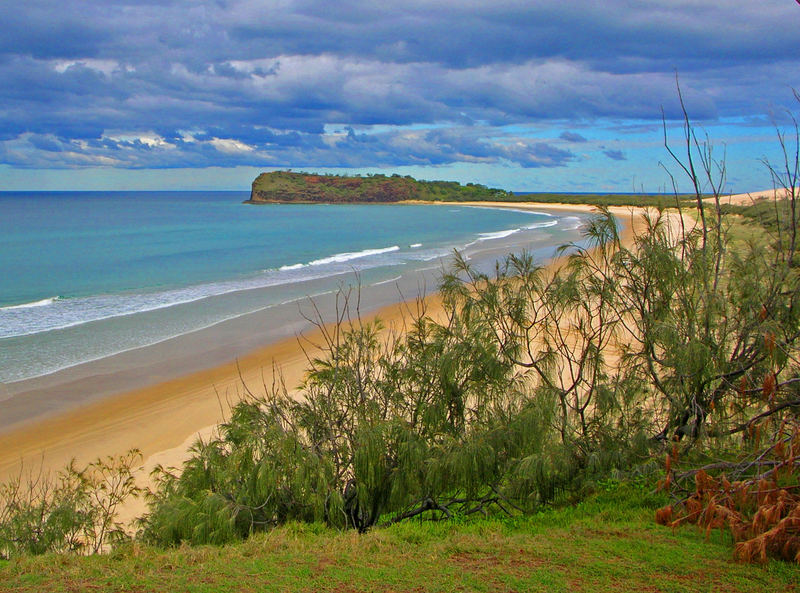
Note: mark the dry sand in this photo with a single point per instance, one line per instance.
(750, 198)
(164, 419)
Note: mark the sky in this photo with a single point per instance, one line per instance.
(530, 95)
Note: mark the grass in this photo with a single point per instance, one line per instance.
(608, 543)
(767, 217)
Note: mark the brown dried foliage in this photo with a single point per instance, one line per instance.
(761, 508)
(768, 387)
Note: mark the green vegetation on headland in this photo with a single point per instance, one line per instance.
(306, 188)
(291, 187)
(608, 543)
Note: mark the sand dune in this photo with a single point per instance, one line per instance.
(750, 198)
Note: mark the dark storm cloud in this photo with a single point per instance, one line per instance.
(39, 30)
(190, 83)
(615, 155)
(572, 137)
(459, 33)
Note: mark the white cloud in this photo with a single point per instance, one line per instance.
(106, 67)
(150, 139)
(230, 146)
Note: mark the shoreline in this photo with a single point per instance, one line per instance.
(164, 415)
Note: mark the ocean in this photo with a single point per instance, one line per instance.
(85, 275)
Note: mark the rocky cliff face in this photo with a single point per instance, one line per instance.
(303, 188)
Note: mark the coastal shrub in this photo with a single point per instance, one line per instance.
(380, 426)
(75, 511)
(724, 359)
(443, 419)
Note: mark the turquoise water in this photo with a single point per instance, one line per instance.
(86, 275)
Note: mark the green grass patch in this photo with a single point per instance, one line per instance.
(769, 214)
(607, 543)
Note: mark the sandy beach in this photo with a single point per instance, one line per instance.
(749, 198)
(163, 417)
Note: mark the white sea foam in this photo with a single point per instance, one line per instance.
(436, 255)
(571, 223)
(395, 279)
(344, 257)
(292, 267)
(497, 234)
(340, 258)
(49, 369)
(34, 304)
(66, 313)
(520, 210)
(415, 245)
(542, 225)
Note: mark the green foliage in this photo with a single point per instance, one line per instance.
(288, 186)
(775, 217)
(74, 512)
(704, 321)
(442, 420)
(721, 348)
